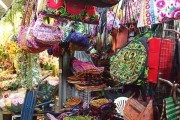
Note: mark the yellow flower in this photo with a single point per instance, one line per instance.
(8, 102)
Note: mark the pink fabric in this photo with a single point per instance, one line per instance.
(79, 66)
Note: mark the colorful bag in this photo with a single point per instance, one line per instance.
(153, 12)
(129, 64)
(119, 38)
(75, 10)
(171, 111)
(47, 34)
(26, 40)
(29, 42)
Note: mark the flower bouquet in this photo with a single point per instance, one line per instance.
(47, 89)
(12, 102)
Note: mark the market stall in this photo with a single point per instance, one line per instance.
(94, 59)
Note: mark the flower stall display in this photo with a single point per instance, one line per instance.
(48, 63)
(12, 102)
(47, 89)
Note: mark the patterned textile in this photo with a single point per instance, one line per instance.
(160, 58)
(74, 10)
(129, 63)
(131, 11)
(112, 21)
(158, 11)
(78, 38)
(79, 66)
(166, 58)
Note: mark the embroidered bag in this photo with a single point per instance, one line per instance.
(75, 10)
(129, 64)
(25, 25)
(26, 40)
(47, 34)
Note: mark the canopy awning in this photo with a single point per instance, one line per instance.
(4, 6)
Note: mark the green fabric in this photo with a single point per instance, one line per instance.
(129, 63)
(172, 109)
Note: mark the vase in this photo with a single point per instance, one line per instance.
(7, 115)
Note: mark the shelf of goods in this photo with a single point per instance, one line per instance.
(85, 95)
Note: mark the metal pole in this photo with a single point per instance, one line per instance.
(64, 65)
(60, 84)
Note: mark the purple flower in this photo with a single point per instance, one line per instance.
(160, 4)
(163, 15)
(176, 13)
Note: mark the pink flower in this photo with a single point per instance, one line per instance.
(2, 103)
(176, 13)
(15, 102)
(160, 4)
(53, 82)
(5, 95)
(20, 100)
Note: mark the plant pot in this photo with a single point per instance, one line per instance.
(7, 116)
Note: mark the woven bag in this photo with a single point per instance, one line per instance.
(138, 110)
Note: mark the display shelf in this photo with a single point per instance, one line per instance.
(86, 94)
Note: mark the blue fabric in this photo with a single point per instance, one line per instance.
(78, 38)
